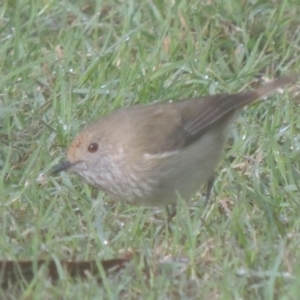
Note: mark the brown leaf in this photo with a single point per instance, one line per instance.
(13, 272)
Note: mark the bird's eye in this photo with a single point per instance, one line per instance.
(93, 147)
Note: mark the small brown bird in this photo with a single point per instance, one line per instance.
(147, 155)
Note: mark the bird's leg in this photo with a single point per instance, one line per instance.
(210, 184)
(171, 212)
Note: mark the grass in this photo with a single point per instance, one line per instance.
(65, 63)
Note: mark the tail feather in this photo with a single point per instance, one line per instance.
(263, 91)
(202, 112)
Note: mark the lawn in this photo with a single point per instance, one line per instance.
(65, 63)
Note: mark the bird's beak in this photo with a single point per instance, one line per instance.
(62, 167)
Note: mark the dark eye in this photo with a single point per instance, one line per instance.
(93, 147)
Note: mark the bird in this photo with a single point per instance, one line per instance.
(152, 154)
